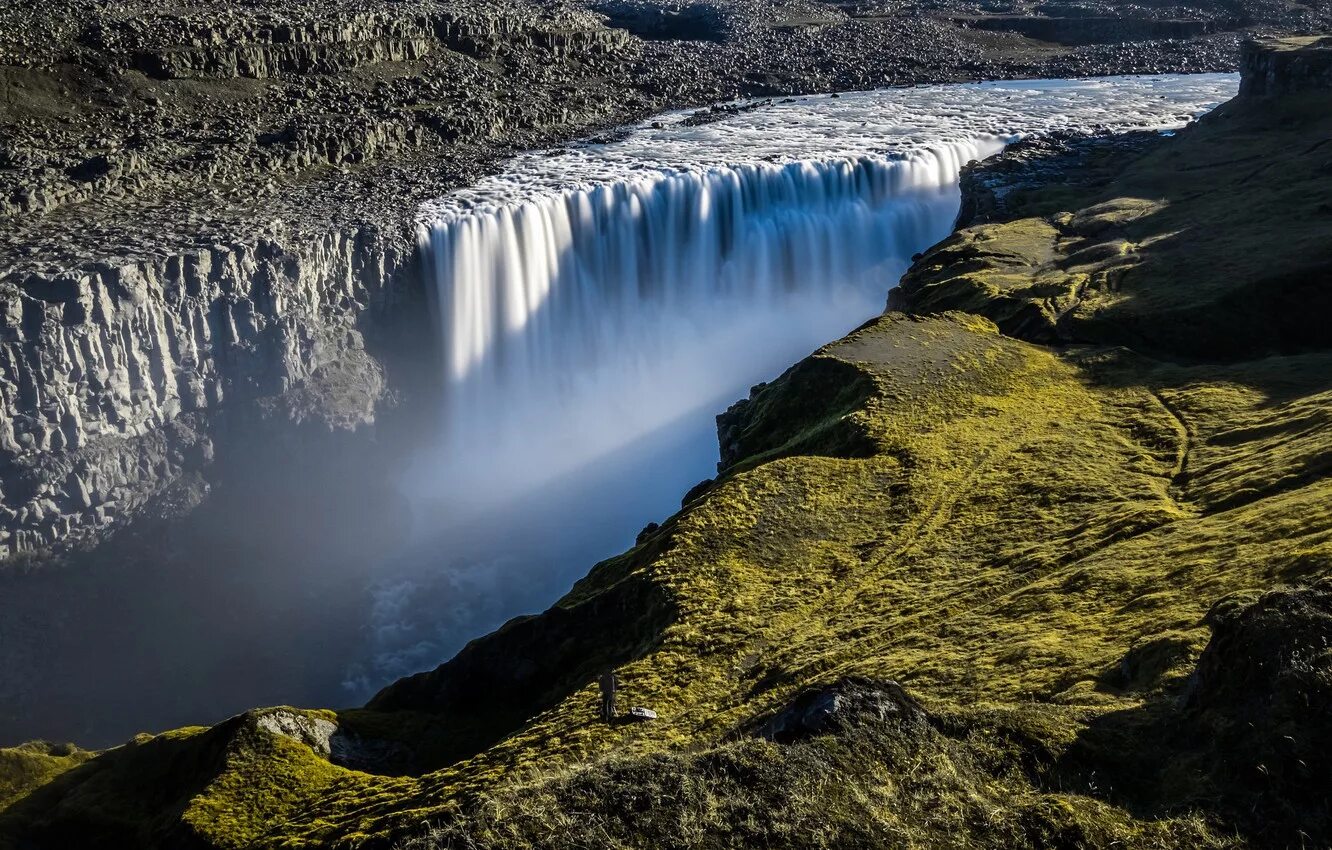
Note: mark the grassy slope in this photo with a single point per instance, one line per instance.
(1027, 538)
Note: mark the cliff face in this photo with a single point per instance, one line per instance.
(109, 375)
(203, 220)
(1286, 66)
(959, 582)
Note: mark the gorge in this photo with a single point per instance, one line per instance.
(1036, 557)
(587, 337)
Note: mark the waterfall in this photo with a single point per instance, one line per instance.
(599, 303)
(564, 309)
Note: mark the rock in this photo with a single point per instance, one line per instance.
(648, 531)
(315, 732)
(166, 341)
(1258, 706)
(330, 740)
(697, 490)
(1273, 67)
(843, 705)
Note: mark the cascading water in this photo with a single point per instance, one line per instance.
(552, 310)
(598, 304)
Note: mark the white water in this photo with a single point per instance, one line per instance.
(579, 322)
(598, 305)
(588, 296)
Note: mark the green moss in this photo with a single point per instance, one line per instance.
(1167, 259)
(866, 788)
(33, 765)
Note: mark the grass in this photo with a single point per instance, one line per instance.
(1026, 537)
(33, 765)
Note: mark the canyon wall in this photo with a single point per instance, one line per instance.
(209, 209)
(110, 375)
(1276, 67)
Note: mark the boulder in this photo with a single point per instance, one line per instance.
(845, 704)
(1259, 701)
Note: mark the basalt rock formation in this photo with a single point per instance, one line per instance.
(108, 372)
(1287, 67)
(1037, 559)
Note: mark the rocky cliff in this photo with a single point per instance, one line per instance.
(1286, 66)
(109, 373)
(1026, 562)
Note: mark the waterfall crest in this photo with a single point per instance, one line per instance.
(592, 295)
(578, 298)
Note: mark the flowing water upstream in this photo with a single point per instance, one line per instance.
(596, 306)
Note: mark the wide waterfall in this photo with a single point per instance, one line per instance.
(598, 304)
(590, 295)
(610, 305)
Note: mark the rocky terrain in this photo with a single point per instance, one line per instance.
(208, 205)
(1038, 558)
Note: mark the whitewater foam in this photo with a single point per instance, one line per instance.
(588, 295)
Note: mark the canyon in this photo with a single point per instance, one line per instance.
(177, 242)
(1018, 492)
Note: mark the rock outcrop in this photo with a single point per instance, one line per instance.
(110, 374)
(1276, 67)
(1258, 702)
(840, 707)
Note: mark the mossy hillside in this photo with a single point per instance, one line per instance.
(35, 764)
(1027, 538)
(1025, 526)
(862, 788)
(1213, 246)
(188, 787)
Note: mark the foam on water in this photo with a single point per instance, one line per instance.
(853, 124)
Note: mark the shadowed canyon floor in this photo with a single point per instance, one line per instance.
(1072, 497)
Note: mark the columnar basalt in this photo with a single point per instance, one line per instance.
(109, 374)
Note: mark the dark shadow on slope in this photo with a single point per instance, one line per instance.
(1157, 253)
(804, 412)
(497, 683)
(1243, 741)
(132, 796)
